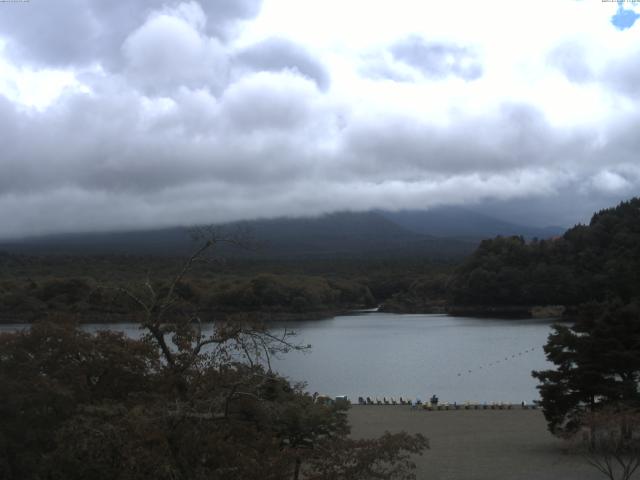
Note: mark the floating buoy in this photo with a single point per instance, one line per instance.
(496, 362)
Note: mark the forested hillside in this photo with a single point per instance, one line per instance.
(599, 261)
(342, 235)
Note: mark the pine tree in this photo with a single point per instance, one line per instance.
(597, 364)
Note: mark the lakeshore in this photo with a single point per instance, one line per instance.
(477, 444)
(411, 356)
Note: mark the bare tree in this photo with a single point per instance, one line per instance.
(179, 331)
(610, 440)
(192, 399)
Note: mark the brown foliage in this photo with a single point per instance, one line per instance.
(181, 403)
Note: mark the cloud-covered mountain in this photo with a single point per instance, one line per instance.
(462, 223)
(154, 113)
(446, 233)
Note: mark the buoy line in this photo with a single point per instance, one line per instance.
(496, 362)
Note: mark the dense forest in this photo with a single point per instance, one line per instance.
(91, 287)
(595, 262)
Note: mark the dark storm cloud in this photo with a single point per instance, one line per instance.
(438, 59)
(275, 54)
(514, 137)
(73, 32)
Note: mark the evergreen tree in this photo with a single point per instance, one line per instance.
(597, 364)
(599, 261)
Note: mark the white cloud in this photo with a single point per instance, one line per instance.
(268, 101)
(37, 88)
(170, 50)
(610, 182)
(187, 112)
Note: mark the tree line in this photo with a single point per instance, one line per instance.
(90, 287)
(595, 262)
(593, 392)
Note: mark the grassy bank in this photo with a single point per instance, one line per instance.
(478, 444)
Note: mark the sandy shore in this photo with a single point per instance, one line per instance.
(478, 444)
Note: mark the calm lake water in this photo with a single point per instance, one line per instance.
(457, 358)
(382, 354)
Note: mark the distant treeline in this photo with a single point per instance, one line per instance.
(94, 287)
(595, 262)
(99, 301)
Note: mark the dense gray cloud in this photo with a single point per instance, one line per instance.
(276, 54)
(59, 36)
(124, 143)
(438, 59)
(270, 145)
(71, 32)
(179, 126)
(172, 49)
(515, 137)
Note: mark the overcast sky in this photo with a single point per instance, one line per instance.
(123, 114)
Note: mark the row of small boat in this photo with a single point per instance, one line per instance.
(387, 401)
(417, 403)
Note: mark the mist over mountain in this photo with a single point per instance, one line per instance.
(452, 221)
(440, 233)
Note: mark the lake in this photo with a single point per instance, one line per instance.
(457, 358)
(384, 354)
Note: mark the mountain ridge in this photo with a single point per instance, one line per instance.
(450, 233)
(459, 222)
